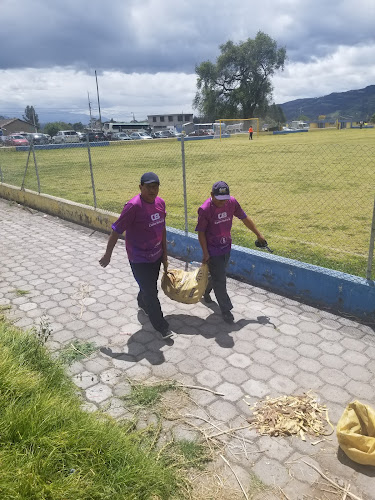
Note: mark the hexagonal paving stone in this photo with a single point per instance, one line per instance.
(209, 378)
(239, 360)
(255, 388)
(271, 472)
(231, 391)
(98, 393)
(85, 379)
(222, 411)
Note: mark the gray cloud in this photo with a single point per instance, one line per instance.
(154, 35)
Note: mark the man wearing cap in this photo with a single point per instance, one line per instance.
(143, 221)
(214, 225)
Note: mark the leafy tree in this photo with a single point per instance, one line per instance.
(372, 119)
(52, 128)
(31, 116)
(78, 126)
(275, 114)
(238, 84)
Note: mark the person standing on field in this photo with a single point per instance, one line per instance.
(214, 225)
(251, 133)
(143, 221)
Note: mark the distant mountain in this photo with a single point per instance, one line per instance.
(354, 104)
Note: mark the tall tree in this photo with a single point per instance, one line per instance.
(31, 116)
(239, 83)
(52, 128)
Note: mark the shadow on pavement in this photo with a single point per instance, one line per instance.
(141, 345)
(366, 470)
(213, 327)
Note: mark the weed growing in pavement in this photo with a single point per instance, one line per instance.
(43, 331)
(6, 307)
(147, 395)
(191, 453)
(20, 292)
(76, 351)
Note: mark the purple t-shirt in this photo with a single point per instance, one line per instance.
(217, 222)
(144, 224)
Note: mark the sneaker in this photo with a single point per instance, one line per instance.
(166, 334)
(207, 298)
(228, 317)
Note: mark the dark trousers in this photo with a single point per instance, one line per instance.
(218, 280)
(250, 135)
(146, 275)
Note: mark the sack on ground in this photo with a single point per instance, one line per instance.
(356, 433)
(185, 286)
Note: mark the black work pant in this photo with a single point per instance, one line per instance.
(146, 275)
(218, 280)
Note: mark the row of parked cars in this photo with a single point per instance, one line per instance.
(24, 139)
(71, 136)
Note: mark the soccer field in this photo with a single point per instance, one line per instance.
(311, 194)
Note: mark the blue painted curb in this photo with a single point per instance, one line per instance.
(275, 132)
(64, 146)
(315, 285)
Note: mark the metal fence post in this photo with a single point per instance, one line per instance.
(1, 176)
(91, 171)
(185, 193)
(36, 167)
(24, 174)
(371, 247)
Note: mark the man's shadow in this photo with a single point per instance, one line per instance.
(143, 344)
(213, 327)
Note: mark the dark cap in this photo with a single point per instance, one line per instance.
(221, 190)
(149, 177)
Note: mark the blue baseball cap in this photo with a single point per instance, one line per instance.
(221, 190)
(149, 178)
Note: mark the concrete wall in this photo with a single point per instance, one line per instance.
(311, 284)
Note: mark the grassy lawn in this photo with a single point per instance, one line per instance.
(311, 194)
(50, 449)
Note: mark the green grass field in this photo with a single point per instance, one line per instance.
(311, 194)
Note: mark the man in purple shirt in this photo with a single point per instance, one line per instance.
(143, 221)
(214, 225)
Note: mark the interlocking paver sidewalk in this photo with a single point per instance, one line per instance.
(276, 346)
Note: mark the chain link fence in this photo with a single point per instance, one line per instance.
(311, 195)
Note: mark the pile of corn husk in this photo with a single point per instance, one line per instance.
(290, 415)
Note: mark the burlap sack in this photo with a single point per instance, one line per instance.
(185, 286)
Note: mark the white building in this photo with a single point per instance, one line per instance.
(162, 122)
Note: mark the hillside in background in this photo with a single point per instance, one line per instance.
(354, 104)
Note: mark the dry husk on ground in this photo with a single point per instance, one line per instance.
(290, 415)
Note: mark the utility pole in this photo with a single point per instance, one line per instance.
(88, 97)
(36, 129)
(97, 91)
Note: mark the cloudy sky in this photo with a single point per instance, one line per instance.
(145, 51)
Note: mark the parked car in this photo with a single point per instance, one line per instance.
(140, 135)
(173, 133)
(16, 140)
(65, 136)
(120, 136)
(161, 134)
(37, 138)
(93, 136)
